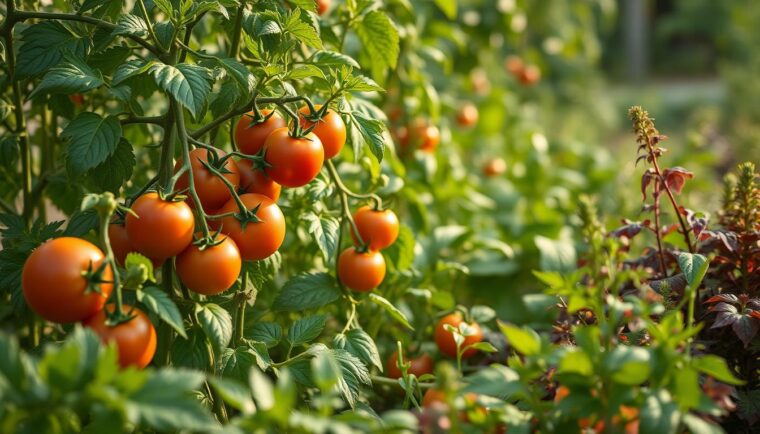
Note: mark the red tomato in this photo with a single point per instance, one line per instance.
(530, 75)
(494, 167)
(467, 115)
(445, 338)
(120, 244)
(250, 138)
(54, 286)
(423, 136)
(433, 396)
(293, 161)
(212, 270)
(514, 65)
(323, 6)
(162, 229)
(77, 99)
(361, 272)
(135, 339)
(330, 129)
(378, 229)
(211, 190)
(419, 366)
(257, 240)
(256, 181)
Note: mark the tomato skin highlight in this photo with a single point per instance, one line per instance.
(53, 284)
(445, 339)
(361, 272)
(135, 339)
(258, 240)
(250, 138)
(212, 270)
(378, 229)
(257, 181)
(420, 365)
(162, 229)
(494, 167)
(467, 115)
(211, 190)
(323, 6)
(293, 162)
(331, 130)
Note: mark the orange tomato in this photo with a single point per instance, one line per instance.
(494, 167)
(135, 339)
(445, 339)
(259, 239)
(378, 229)
(467, 115)
(361, 271)
(212, 191)
(330, 129)
(256, 181)
(293, 161)
(420, 365)
(250, 137)
(212, 270)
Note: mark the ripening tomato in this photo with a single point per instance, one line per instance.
(120, 244)
(479, 80)
(293, 161)
(433, 396)
(494, 167)
(419, 366)
(212, 270)
(467, 115)
(561, 393)
(250, 138)
(378, 229)
(77, 99)
(323, 6)
(361, 271)
(424, 135)
(162, 228)
(211, 190)
(330, 129)
(257, 181)
(135, 339)
(514, 65)
(530, 75)
(445, 339)
(54, 286)
(259, 239)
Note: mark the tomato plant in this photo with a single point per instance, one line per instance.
(224, 215)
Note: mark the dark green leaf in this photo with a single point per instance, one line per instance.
(216, 323)
(391, 309)
(129, 24)
(360, 344)
(268, 333)
(92, 140)
(159, 303)
(325, 232)
(189, 84)
(112, 173)
(307, 291)
(72, 75)
(306, 330)
(43, 45)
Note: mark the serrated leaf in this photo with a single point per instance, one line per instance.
(333, 58)
(111, 174)
(372, 133)
(308, 5)
(239, 73)
(305, 71)
(268, 333)
(158, 302)
(391, 309)
(92, 140)
(188, 84)
(301, 30)
(130, 69)
(229, 95)
(307, 291)
(360, 344)
(354, 374)
(164, 33)
(325, 232)
(216, 322)
(306, 330)
(380, 40)
(129, 24)
(72, 75)
(237, 363)
(165, 6)
(192, 352)
(43, 45)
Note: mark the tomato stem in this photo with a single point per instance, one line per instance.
(180, 119)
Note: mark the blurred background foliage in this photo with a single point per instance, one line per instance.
(692, 63)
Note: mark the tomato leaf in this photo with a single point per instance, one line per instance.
(216, 322)
(360, 344)
(72, 75)
(129, 24)
(302, 30)
(158, 302)
(192, 352)
(189, 84)
(333, 58)
(92, 139)
(524, 340)
(234, 394)
(268, 333)
(112, 173)
(237, 363)
(380, 40)
(715, 367)
(306, 330)
(325, 232)
(391, 309)
(43, 45)
(307, 291)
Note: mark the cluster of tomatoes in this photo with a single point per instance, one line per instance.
(67, 280)
(526, 73)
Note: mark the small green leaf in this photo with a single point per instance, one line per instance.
(694, 267)
(576, 362)
(307, 291)
(360, 344)
(301, 30)
(130, 69)
(268, 333)
(391, 309)
(524, 340)
(216, 322)
(158, 302)
(333, 58)
(92, 140)
(325, 232)
(306, 330)
(72, 75)
(234, 394)
(189, 84)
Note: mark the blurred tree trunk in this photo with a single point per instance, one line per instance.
(636, 28)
